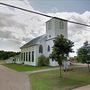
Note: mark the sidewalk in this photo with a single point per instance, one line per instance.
(38, 71)
(80, 64)
(44, 70)
(83, 88)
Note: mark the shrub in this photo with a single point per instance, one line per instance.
(43, 61)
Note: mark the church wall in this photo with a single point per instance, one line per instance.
(61, 29)
(54, 27)
(43, 43)
(29, 49)
(51, 62)
(49, 43)
(50, 29)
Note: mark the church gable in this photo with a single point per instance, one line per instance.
(33, 42)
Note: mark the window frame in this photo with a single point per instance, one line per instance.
(32, 56)
(48, 48)
(40, 49)
(29, 56)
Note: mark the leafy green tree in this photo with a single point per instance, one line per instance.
(83, 53)
(6, 54)
(85, 43)
(61, 49)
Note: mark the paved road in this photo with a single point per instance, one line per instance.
(83, 88)
(13, 80)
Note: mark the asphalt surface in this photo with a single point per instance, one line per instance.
(13, 80)
(83, 88)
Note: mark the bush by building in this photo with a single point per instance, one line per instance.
(43, 61)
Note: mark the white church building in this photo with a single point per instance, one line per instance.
(42, 45)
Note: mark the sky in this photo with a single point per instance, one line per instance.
(79, 6)
(18, 27)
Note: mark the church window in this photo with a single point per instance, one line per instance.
(40, 49)
(61, 24)
(32, 56)
(52, 59)
(26, 56)
(29, 56)
(49, 36)
(48, 48)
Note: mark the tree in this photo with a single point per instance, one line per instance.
(85, 43)
(83, 54)
(6, 54)
(61, 49)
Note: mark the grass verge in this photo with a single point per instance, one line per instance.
(51, 81)
(19, 67)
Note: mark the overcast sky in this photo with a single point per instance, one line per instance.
(79, 6)
(18, 27)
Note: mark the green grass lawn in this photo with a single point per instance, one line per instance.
(51, 81)
(19, 67)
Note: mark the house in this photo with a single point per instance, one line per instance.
(15, 59)
(42, 45)
(9, 60)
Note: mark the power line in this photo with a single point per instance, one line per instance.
(42, 14)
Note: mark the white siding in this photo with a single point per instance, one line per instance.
(52, 30)
(59, 30)
(30, 49)
(55, 28)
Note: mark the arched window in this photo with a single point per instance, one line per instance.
(48, 48)
(40, 49)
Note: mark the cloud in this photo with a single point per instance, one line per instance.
(17, 26)
(9, 45)
(20, 27)
(6, 20)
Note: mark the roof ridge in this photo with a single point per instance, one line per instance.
(33, 41)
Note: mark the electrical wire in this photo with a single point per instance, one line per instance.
(26, 10)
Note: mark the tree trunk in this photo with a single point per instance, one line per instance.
(60, 71)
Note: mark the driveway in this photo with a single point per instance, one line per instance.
(13, 80)
(83, 88)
